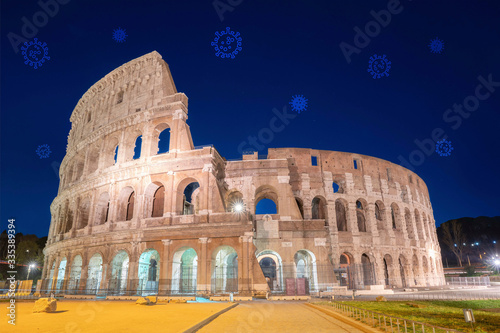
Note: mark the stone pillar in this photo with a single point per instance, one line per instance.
(352, 220)
(245, 274)
(203, 279)
(133, 267)
(165, 268)
(370, 220)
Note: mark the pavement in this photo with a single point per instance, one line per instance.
(286, 316)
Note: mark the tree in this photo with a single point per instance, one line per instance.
(454, 238)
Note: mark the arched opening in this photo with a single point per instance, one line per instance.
(184, 271)
(395, 216)
(387, 264)
(60, 274)
(346, 276)
(425, 227)
(115, 156)
(126, 202)
(224, 270)
(418, 225)
(83, 214)
(94, 274)
(137, 148)
(272, 267)
(234, 202)
(306, 272)
(402, 273)
(266, 206)
(266, 200)
(78, 170)
(161, 139)
(409, 224)
(148, 272)
(300, 205)
(110, 155)
(368, 273)
(119, 273)
(380, 215)
(341, 213)
(75, 274)
(93, 160)
(360, 216)
(415, 269)
(336, 188)
(425, 267)
(154, 197)
(102, 211)
(190, 198)
(319, 208)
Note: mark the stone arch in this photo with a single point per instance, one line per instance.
(319, 209)
(361, 207)
(132, 145)
(184, 270)
(380, 215)
(267, 192)
(75, 272)
(224, 269)
(161, 139)
(187, 193)
(137, 148)
(61, 270)
(395, 216)
(418, 225)
(148, 272)
(126, 203)
(415, 268)
(341, 215)
(367, 270)
(94, 274)
(154, 200)
(275, 274)
(119, 273)
(93, 160)
(102, 210)
(83, 213)
(403, 271)
(425, 266)
(409, 224)
(110, 151)
(305, 267)
(388, 269)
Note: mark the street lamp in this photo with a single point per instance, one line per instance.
(29, 269)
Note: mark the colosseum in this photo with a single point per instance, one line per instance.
(142, 210)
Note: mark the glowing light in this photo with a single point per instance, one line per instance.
(497, 262)
(238, 208)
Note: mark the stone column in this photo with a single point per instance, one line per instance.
(133, 267)
(352, 220)
(245, 274)
(165, 268)
(203, 279)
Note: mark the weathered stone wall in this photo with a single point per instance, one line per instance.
(133, 205)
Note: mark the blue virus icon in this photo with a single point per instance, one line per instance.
(436, 45)
(43, 151)
(379, 66)
(119, 35)
(35, 53)
(444, 148)
(227, 43)
(298, 103)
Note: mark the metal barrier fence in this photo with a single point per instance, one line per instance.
(388, 323)
(469, 281)
(443, 295)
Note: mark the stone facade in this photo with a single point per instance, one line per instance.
(183, 220)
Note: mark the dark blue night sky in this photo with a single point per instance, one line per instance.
(288, 48)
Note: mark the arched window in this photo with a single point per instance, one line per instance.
(190, 198)
(336, 187)
(102, 212)
(158, 202)
(409, 224)
(395, 216)
(368, 271)
(340, 212)
(130, 206)
(318, 208)
(138, 147)
(115, 156)
(380, 215)
(83, 214)
(266, 206)
(418, 225)
(360, 215)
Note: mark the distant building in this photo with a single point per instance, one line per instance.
(134, 215)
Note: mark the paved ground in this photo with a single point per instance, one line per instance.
(264, 316)
(108, 316)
